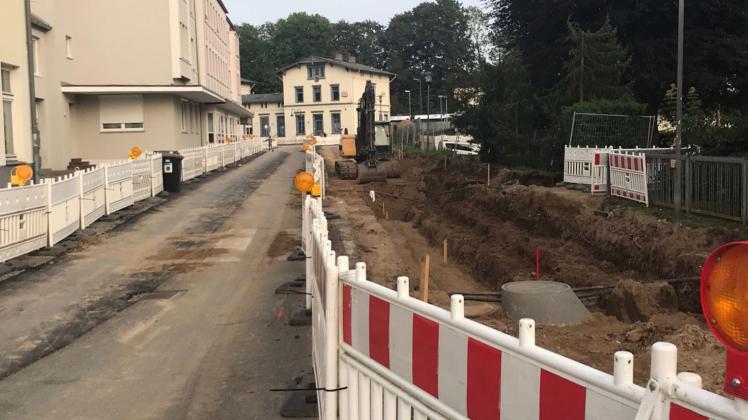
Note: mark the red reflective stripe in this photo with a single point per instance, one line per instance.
(636, 164)
(561, 398)
(379, 331)
(347, 315)
(679, 413)
(483, 381)
(628, 163)
(597, 159)
(426, 355)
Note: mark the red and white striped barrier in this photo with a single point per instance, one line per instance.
(381, 354)
(628, 176)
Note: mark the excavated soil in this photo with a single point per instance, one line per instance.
(492, 233)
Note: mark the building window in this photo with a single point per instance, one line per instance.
(7, 115)
(185, 117)
(121, 113)
(318, 124)
(299, 94)
(68, 47)
(315, 71)
(300, 125)
(335, 93)
(335, 122)
(35, 50)
(280, 122)
(317, 93)
(264, 125)
(211, 133)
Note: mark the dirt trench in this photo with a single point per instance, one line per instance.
(492, 234)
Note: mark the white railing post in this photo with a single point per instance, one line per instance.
(403, 287)
(107, 206)
(49, 182)
(526, 332)
(457, 307)
(623, 368)
(331, 336)
(81, 199)
(361, 271)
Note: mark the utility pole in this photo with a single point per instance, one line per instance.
(35, 138)
(678, 184)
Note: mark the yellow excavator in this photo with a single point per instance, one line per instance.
(367, 156)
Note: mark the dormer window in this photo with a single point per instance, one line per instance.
(315, 71)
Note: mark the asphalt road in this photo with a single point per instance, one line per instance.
(211, 340)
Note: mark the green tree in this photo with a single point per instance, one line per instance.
(300, 35)
(596, 63)
(362, 39)
(430, 38)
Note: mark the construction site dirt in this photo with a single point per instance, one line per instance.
(639, 273)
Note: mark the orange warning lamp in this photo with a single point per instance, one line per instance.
(20, 175)
(306, 147)
(135, 153)
(304, 182)
(724, 301)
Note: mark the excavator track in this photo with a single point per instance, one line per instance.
(347, 169)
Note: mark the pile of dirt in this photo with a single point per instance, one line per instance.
(632, 301)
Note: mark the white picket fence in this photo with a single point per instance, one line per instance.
(382, 354)
(41, 215)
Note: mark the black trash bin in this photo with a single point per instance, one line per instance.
(172, 172)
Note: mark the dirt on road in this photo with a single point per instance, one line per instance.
(492, 233)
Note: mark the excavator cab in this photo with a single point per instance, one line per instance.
(367, 156)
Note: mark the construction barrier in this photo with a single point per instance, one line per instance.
(40, 215)
(64, 207)
(23, 220)
(628, 176)
(590, 165)
(382, 354)
(93, 195)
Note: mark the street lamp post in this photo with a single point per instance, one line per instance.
(441, 112)
(410, 107)
(428, 109)
(678, 184)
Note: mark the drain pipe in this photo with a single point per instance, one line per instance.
(35, 138)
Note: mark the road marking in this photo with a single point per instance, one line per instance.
(240, 240)
(140, 327)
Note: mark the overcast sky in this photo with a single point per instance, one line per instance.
(260, 11)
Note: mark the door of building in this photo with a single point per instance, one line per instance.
(264, 126)
(318, 124)
(280, 121)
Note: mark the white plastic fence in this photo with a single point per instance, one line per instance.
(628, 176)
(382, 354)
(193, 164)
(36, 216)
(64, 207)
(213, 157)
(93, 195)
(23, 220)
(119, 186)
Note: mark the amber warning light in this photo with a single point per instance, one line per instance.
(724, 300)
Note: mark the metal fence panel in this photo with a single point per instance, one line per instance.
(712, 186)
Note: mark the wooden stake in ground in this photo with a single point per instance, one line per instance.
(445, 251)
(488, 176)
(425, 279)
